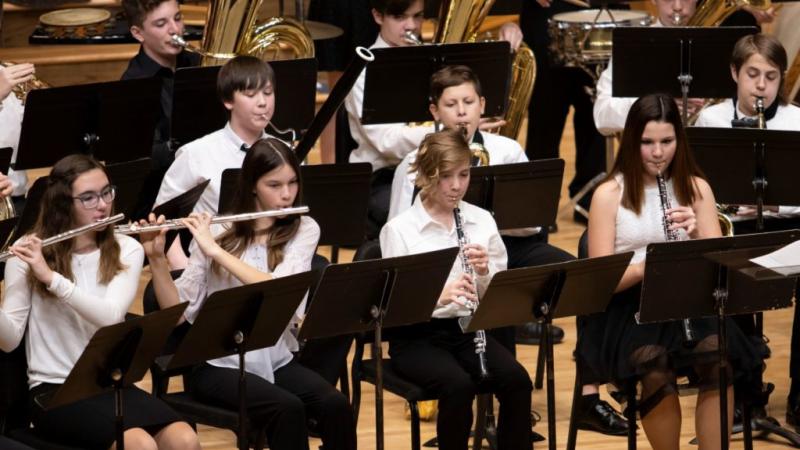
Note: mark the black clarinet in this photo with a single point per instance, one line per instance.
(672, 235)
(480, 335)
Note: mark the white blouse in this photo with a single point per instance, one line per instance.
(59, 327)
(198, 281)
(414, 231)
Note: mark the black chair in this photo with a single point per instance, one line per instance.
(14, 406)
(365, 370)
(344, 139)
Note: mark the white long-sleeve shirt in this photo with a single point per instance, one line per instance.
(11, 112)
(381, 145)
(204, 158)
(60, 326)
(414, 231)
(198, 281)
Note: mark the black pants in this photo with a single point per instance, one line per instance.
(556, 89)
(282, 408)
(380, 192)
(440, 358)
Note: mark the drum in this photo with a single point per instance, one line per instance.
(583, 38)
(76, 23)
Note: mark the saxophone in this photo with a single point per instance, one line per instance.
(672, 235)
(480, 335)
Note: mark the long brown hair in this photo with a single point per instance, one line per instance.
(57, 216)
(682, 169)
(263, 157)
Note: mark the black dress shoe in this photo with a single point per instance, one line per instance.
(793, 415)
(602, 418)
(530, 333)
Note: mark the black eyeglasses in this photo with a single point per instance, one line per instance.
(89, 200)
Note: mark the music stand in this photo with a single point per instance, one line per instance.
(32, 207)
(197, 109)
(573, 288)
(336, 195)
(381, 293)
(236, 321)
(509, 190)
(6, 153)
(179, 207)
(129, 178)
(709, 288)
(6, 230)
(666, 59)
(412, 67)
(116, 357)
(113, 121)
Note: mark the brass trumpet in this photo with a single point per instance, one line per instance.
(72, 233)
(176, 224)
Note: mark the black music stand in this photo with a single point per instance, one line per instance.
(236, 321)
(667, 59)
(412, 67)
(509, 190)
(113, 121)
(116, 357)
(6, 230)
(32, 207)
(749, 166)
(547, 292)
(197, 109)
(373, 295)
(336, 195)
(179, 207)
(709, 288)
(129, 177)
(6, 154)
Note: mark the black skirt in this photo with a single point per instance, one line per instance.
(90, 424)
(621, 351)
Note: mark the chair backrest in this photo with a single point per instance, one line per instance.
(583, 244)
(370, 249)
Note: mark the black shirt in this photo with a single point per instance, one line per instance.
(142, 66)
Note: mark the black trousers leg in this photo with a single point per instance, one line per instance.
(277, 410)
(323, 403)
(589, 143)
(326, 356)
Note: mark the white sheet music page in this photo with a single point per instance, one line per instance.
(785, 260)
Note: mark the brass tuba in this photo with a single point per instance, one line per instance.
(231, 30)
(711, 13)
(460, 21)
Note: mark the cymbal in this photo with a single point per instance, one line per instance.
(320, 31)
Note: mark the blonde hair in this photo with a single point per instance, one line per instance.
(439, 152)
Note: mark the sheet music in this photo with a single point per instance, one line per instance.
(785, 260)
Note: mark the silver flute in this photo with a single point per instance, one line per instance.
(480, 335)
(102, 223)
(176, 224)
(672, 235)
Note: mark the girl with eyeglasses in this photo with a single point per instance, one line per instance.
(60, 295)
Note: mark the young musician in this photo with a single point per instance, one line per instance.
(385, 145)
(758, 66)
(246, 86)
(280, 392)
(626, 214)
(15, 183)
(60, 295)
(437, 355)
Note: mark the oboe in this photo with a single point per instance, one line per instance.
(176, 224)
(672, 235)
(102, 223)
(480, 335)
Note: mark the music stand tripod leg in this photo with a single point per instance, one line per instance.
(119, 422)
(241, 437)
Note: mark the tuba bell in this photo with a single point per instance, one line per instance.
(231, 30)
(711, 13)
(460, 21)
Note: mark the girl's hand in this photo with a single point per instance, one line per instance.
(477, 258)
(458, 291)
(154, 241)
(199, 225)
(29, 249)
(682, 217)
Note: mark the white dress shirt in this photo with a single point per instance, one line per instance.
(414, 231)
(204, 158)
(786, 118)
(59, 327)
(502, 150)
(610, 112)
(381, 145)
(11, 112)
(198, 281)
